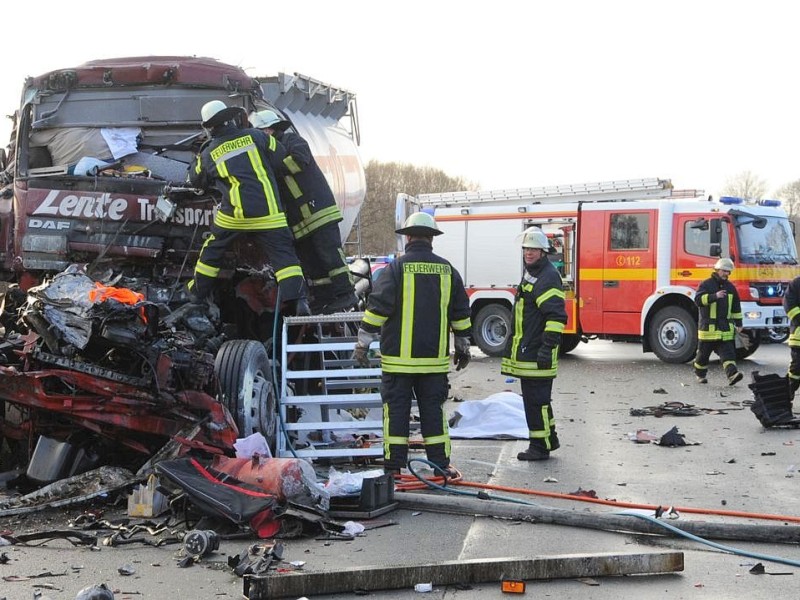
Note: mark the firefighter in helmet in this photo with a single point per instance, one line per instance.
(791, 304)
(240, 164)
(313, 217)
(532, 350)
(416, 301)
(720, 318)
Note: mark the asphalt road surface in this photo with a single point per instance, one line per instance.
(735, 464)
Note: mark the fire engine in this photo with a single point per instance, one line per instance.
(631, 254)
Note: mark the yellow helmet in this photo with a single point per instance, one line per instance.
(726, 264)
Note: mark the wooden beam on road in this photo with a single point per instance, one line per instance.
(606, 521)
(564, 566)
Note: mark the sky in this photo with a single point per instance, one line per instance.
(504, 94)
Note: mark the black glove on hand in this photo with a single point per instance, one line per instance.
(544, 359)
(461, 356)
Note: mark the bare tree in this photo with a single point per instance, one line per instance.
(745, 185)
(789, 195)
(384, 182)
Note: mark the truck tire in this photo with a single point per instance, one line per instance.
(569, 341)
(747, 342)
(673, 335)
(491, 329)
(246, 389)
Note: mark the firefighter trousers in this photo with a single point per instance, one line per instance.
(726, 349)
(794, 368)
(397, 393)
(278, 245)
(323, 262)
(537, 398)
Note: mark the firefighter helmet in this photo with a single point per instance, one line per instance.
(217, 112)
(533, 237)
(726, 264)
(267, 118)
(419, 223)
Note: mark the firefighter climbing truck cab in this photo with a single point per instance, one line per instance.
(130, 220)
(631, 254)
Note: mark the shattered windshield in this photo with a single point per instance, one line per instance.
(765, 240)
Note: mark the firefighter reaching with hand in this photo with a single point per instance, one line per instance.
(416, 301)
(532, 351)
(720, 318)
(239, 164)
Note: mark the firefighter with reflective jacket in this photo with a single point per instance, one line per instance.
(240, 164)
(416, 301)
(313, 217)
(532, 351)
(720, 318)
(791, 303)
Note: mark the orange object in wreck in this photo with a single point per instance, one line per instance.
(282, 477)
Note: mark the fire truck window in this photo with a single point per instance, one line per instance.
(698, 241)
(630, 231)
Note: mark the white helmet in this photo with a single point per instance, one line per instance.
(267, 118)
(726, 264)
(533, 237)
(216, 113)
(419, 223)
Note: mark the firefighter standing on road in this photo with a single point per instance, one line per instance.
(417, 299)
(313, 217)
(720, 319)
(532, 351)
(791, 304)
(238, 163)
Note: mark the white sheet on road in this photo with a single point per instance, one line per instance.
(500, 416)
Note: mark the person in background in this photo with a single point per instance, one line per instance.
(532, 351)
(791, 304)
(720, 318)
(313, 217)
(238, 164)
(418, 298)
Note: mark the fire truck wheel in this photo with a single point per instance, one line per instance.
(673, 335)
(245, 383)
(491, 328)
(569, 341)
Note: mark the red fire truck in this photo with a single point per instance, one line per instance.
(631, 254)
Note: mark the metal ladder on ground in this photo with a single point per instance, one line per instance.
(320, 378)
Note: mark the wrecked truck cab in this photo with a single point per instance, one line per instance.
(96, 185)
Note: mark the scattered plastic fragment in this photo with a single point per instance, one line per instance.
(423, 588)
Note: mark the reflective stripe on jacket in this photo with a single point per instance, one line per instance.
(417, 300)
(717, 317)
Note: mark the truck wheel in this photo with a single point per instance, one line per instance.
(245, 383)
(569, 341)
(491, 329)
(747, 342)
(673, 335)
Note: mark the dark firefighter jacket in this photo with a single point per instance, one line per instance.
(539, 319)
(416, 300)
(239, 164)
(309, 203)
(791, 303)
(718, 317)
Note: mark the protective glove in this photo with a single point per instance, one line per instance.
(365, 338)
(461, 356)
(544, 358)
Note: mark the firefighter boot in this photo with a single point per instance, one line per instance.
(735, 378)
(534, 452)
